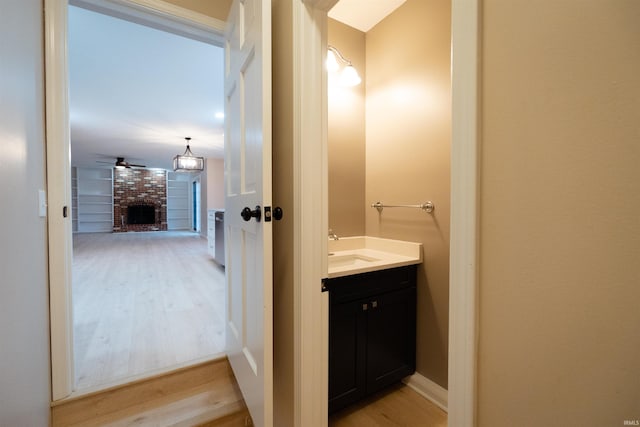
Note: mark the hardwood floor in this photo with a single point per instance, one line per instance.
(202, 395)
(143, 302)
(396, 406)
(146, 302)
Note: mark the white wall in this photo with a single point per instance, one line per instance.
(24, 313)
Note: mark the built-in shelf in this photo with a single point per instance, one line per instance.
(178, 201)
(94, 198)
(74, 199)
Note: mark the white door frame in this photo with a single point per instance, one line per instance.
(311, 214)
(59, 196)
(463, 264)
(150, 12)
(311, 176)
(196, 204)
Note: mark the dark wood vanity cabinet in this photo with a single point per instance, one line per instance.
(372, 333)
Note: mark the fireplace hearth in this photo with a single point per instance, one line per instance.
(140, 215)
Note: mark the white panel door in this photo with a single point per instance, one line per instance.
(249, 316)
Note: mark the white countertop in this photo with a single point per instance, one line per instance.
(362, 254)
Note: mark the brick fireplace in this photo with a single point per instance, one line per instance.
(139, 189)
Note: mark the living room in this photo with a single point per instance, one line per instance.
(147, 293)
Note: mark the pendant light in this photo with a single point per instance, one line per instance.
(187, 162)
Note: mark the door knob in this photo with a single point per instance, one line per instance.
(277, 213)
(247, 213)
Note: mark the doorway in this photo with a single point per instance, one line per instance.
(195, 207)
(462, 269)
(108, 341)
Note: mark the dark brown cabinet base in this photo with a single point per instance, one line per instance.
(372, 333)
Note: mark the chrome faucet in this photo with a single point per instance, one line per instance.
(332, 235)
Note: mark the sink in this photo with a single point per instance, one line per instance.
(362, 254)
(353, 260)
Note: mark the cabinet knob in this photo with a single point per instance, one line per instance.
(374, 304)
(365, 307)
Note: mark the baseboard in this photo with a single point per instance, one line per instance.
(429, 390)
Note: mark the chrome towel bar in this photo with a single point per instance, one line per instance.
(426, 206)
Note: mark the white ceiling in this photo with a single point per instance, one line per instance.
(136, 92)
(363, 14)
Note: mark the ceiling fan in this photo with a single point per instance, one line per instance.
(122, 164)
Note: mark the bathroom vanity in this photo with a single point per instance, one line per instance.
(372, 316)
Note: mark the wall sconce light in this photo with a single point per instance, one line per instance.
(187, 162)
(349, 76)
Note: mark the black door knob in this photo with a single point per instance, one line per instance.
(247, 213)
(277, 213)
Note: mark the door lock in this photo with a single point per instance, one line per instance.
(276, 214)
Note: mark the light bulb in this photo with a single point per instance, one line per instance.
(332, 62)
(349, 76)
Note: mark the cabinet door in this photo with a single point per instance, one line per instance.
(347, 353)
(391, 338)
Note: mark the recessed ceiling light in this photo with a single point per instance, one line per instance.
(219, 115)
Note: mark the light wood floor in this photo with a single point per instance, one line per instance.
(396, 406)
(143, 302)
(202, 395)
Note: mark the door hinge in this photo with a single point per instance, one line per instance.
(323, 285)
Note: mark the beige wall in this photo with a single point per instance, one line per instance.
(218, 9)
(283, 283)
(346, 137)
(215, 184)
(25, 386)
(408, 132)
(560, 228)
(211, 190)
